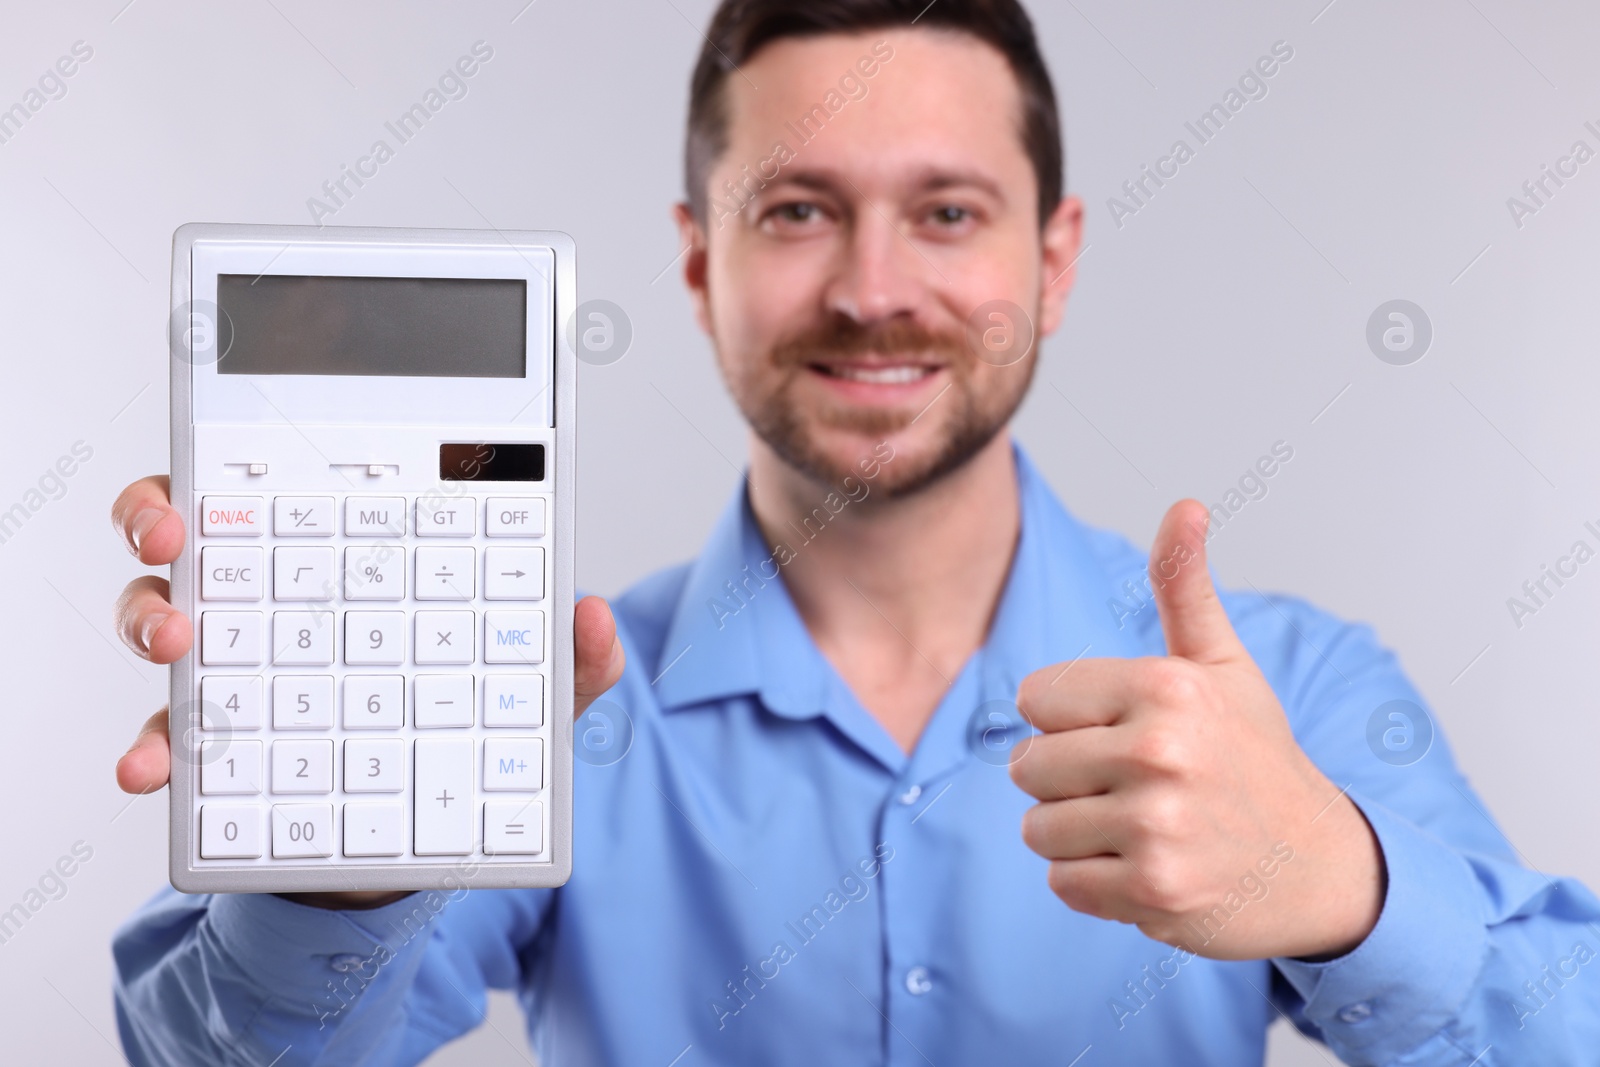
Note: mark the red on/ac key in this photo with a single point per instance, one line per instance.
(238, 516)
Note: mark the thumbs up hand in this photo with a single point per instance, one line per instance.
(1173, 795)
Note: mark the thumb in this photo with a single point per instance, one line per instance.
(597, 654)
(1192, 618)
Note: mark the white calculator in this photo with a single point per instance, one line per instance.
(372, 446)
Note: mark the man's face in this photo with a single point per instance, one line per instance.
(839, 292)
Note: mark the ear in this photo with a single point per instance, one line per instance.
(1063, 232)
(692, 235)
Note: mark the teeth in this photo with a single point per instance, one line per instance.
(880, 375)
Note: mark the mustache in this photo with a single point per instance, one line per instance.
(840, 336)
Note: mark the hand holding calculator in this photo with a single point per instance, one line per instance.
(372, 448)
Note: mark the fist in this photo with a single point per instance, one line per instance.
(1173, 795)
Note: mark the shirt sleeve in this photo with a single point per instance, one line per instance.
(237, 979)
(1475, 959)
(1466, 965)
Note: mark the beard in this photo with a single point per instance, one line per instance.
(968, 418)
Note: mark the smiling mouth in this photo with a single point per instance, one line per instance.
(876, 374)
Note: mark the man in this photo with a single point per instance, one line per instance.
(812, 852)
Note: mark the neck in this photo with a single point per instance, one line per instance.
(899, 593)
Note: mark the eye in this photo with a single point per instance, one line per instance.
(794, 214)
(950, 215)
(798, 212)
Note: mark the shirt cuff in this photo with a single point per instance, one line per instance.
(1408, 979)
(291, 949)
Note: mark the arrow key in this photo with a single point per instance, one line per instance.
(513, 573)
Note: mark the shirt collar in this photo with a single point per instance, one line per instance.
(736, 631)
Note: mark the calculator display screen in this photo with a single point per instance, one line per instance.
(434, 327)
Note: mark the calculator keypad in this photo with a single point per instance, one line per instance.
(372, 676)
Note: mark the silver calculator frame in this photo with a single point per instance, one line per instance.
(450, 874)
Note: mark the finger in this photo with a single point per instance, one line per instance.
(148, 523)
(1074, 829)
(145, 766)
(1085, 692)
(1106, 887)
(1192, 618)
(148, 622)
(1074, 763)
(1097, 692)
(597, 654)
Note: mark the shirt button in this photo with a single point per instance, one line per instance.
(1360, 1011)
(917, 980)
(345, 962)
(910, 795)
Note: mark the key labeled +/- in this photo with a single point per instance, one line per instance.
(302, 516)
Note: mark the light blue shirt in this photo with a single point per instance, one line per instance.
(762, 876)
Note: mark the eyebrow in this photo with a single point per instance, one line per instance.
(925, 179)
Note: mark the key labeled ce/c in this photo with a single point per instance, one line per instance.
(230, 572)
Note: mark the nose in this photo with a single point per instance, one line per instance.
(880, 273)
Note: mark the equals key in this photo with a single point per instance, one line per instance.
(513, 827)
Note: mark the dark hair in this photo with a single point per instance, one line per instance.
(740, 28)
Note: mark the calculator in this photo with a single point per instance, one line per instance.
(372, 447)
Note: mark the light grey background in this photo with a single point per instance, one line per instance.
(1227, 314)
